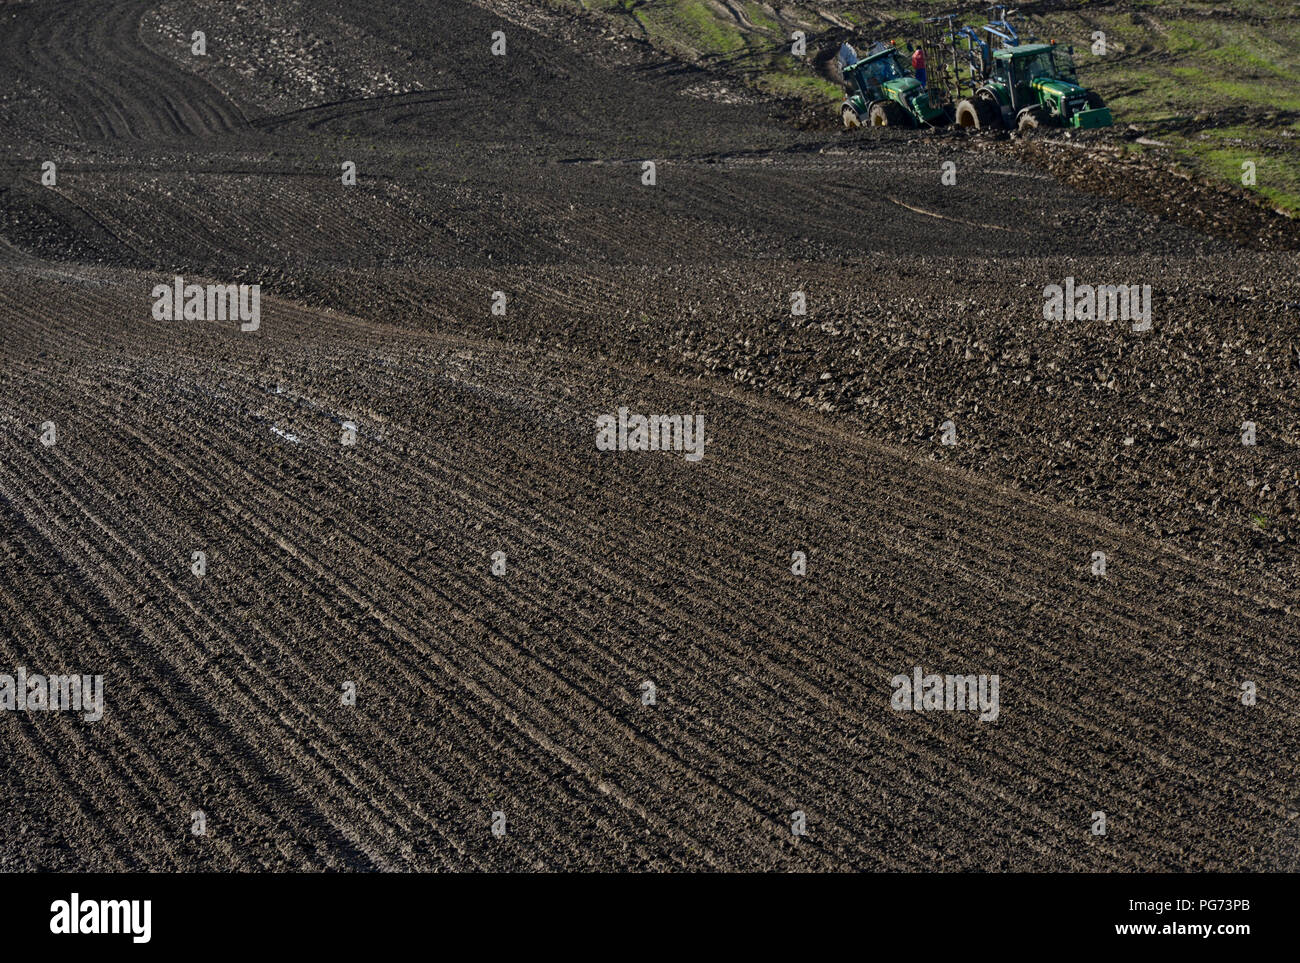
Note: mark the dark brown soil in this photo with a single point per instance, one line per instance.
(522, 692)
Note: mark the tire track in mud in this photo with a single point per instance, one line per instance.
(93, 61)
(428, 104)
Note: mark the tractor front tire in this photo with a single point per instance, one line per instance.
(886, 113)
(979, 114)
(1031, 118)
(1094, 100)
(850, 117)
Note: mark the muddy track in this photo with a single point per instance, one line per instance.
(522, 692)
(90, 62)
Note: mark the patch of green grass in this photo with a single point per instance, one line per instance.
(1240, 57)
(1272, 96)
(702, 24)
(1276, 178)
(759, 18)
(1197, 65)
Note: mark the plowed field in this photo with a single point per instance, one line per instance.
(497, 590)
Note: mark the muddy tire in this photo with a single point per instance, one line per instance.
(886, 113)
(850, 117)
(978, 114)
(1094, 100)
(1031, 118)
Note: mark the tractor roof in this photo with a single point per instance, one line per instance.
(876, 55)
(1024, 50)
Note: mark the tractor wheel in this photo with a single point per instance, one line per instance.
(1094, 100)
(1031, 118)
(979, 114)
(886, 113)
(850, 117)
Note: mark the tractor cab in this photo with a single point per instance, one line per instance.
(881, 92)
(1015, 70)
(874, 71)
(1040, 78)
(999, 77)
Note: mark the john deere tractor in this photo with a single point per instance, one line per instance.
(1028, 86)
(879, 92)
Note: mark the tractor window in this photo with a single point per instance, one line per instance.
(882, 70)
(1038, 66)
(1000, 71)
(1065, 65)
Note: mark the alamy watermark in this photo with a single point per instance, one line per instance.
(179, 301)
(953, 693)
(75, 916)
(630, 432)
(1103, 302)
(21, 692)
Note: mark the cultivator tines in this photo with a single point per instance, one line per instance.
(951, 72)
(959, 55)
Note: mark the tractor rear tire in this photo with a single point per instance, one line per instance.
(979, 114)
(886, 113)
(850, 117)
(1031, 118)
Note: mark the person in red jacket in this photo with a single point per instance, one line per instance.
(918, 65)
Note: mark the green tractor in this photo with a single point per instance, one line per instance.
(1028, 86)
(880, 93)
